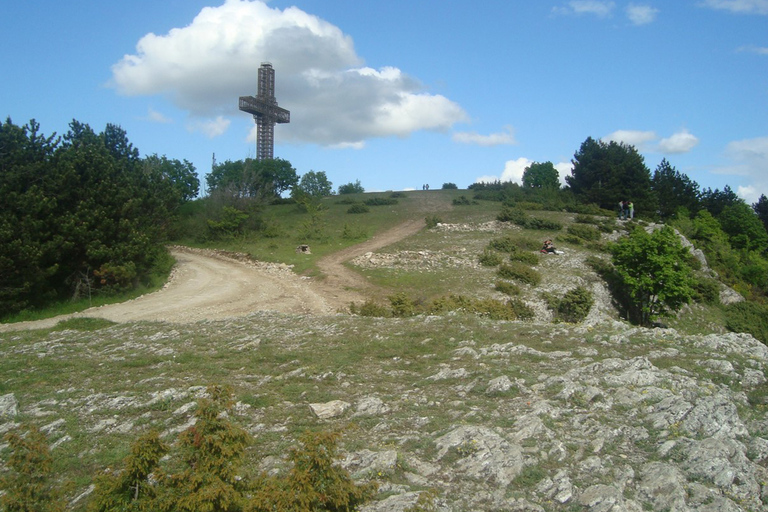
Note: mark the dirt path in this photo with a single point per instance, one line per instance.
(210, 285)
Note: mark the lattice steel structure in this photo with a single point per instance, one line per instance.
(265, 112)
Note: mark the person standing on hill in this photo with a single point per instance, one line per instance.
(631, 209)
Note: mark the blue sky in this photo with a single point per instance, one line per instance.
(397, 94)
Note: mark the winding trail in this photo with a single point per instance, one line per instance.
(211, 285)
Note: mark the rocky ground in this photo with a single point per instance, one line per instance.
(495, 416)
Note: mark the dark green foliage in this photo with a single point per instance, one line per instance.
(527, 257)
(251, 178)
(504, 244)
(314, 184)
(490, 258)
(715, 201)
(749, 317)
(519, 272)
(744, 228)
(574, 306)
(231, 223)
(450, 186)
(352, 232)
(402, 305)
(358, 208)
(181, 175)
(315, 483)
(370, 308)
(507, 288)
(432, 221)
(584, 232)
(605, 173)
(761, 209)
(28, 486)
(398, 194)
(654, 270)
(463, 201)
(130, 489)
(518, 216)
(706, 290)
(541, 175)
(76, 205)
(380, 201)
(674, 190)
(542, 224)
(351, 188)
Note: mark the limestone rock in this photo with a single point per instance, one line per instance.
(330, 409)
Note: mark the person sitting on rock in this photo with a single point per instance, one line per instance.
(548, 247)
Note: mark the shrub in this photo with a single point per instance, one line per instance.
(527, 257)
(402, 305)
(27, 483)
(542, 224)
(507, 288)
(449, 186)
(511, 214)
(370, 308)
(380, 201)
(490, 258)
(462, 201)
(358, 208)
(749, 317)
(351, 188)
(398, 194)
(520, 272)
(432, 221)
(574, 306)
(504, 244)
(706, 290)
(584, 232)
(352, 232)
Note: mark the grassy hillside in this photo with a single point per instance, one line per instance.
(494, 415)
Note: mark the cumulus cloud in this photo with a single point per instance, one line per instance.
(680, 142)
(748, 158)
(513, 171)
(334, 100)
(636, 138)
(563, 169)
(760, 50)
(156, 117)
(738, 6)
(506, 137)
(210, 127)
(600, 8)
(641, 14)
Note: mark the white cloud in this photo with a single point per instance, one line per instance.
(563, 169)
(738, 6)
(204, 67)
(156, 117)
(749, 159)
(680, 142)
(210, 127)
(599, 8)
(641, 14)
(513, 171)
(636, 138)
(760, 50)
(506, 137)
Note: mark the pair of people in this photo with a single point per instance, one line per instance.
(626, 210)
(549, 248)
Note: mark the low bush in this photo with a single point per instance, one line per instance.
(463, 201)
(512, 214)
(432, 221)
(574, 306)
(398, 194)
(584, 232)
(749, 317)
(380, 201)
(706, 290)
(519, 272)
(490, 258)
(449, 186)
(542, 224)
(402, 305)
(370, 308)
(507, 288)
(358, 208)
(503, 244)
(527, 257)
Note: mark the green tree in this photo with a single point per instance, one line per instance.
(743, 227)
(654, 272)
(351, 188)
(761, 209)
(605, 173)
(314, 184)
(130, 489)
(674, 190)
(27, 486)
(251, 178)
(715, 201)
(541, 175)
(180, 177)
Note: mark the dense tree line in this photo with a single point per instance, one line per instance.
(82, 212)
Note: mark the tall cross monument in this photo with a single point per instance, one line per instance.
(265, 112)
